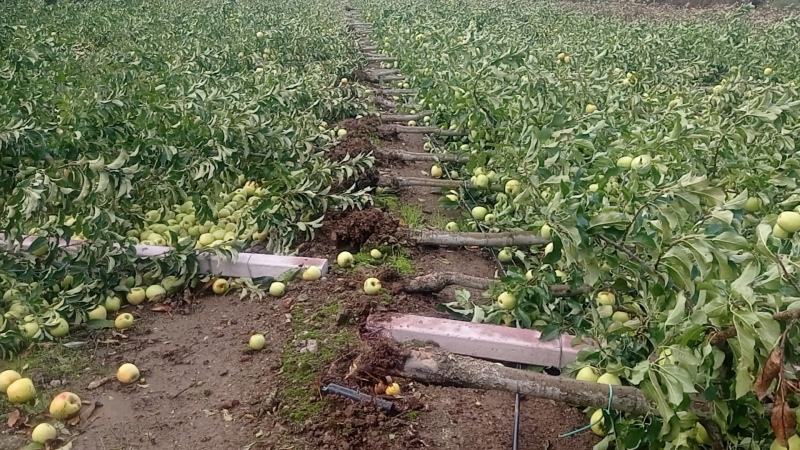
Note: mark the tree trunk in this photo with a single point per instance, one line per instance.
(505, 239)
(414, 156)
(401, 182)
(436, 366)
(436, 282)
(398, 91)
(429, 130)
(404, 117)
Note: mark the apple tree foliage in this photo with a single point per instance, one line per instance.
(672, 238)
(112, 109)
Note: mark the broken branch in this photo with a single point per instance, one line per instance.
(436, 282)
(404, 117)
(429, 130)
(414, 156)
(505, 239)
(400, 182)
(439, 367)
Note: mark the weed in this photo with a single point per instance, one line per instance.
(412, 216)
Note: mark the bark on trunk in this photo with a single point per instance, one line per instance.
(436, 282)
(429, 130)
(413, 156)
(505, 239)
(404, 117)
(435, 366)
(398, 91)
(400, 182)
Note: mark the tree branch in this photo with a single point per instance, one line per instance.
(400, 182)
(404, 117)
(415, 156)
(436, 282)
(505, 239)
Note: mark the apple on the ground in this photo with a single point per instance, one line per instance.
(127, 373)
(372, 286)
(65, 405)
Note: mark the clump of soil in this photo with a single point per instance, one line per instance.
(353, 229)
(351, 146)
(364, 127)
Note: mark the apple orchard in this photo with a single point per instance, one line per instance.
(655, 160)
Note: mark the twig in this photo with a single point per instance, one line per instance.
(628, 252)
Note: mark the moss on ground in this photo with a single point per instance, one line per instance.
(300, 372)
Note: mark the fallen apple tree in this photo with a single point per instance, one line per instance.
(437, 281)
(504, 239)
(400, 182)
(428, 130)
(436, 366)
(404, 117)
(389, 91)
(416, 156)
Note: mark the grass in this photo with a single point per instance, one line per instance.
(301, 371)
(439, 221)
(395, 257)
(43, 363)
(412, 216)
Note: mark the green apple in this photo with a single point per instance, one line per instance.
(549, 248)
(479, 212)
(594, 187)
(312, 273)
(490, 218)
(277, 289)
(546, 231)
(597, 428)
(375, 253)
(29, 329)
(620, 316)
(221, 286)
(436, 172)
(753, 204)
(641, 162)
(21, 391)
(372, 286)
(257, 341)
(779, 232)
(44, 433)
(136, 296)
(587, 373)
(60, 329)
(155, 292)
(452, 227)
(625, 162)
(65, 405)
(529, 275)
(482, 181)
(605, 298)
(123, 321)
(609, 378)
(590, 108)
(341, 133)
(507, 301)
(505, 255)
(789, 221)
(345, 259)
(99, 313)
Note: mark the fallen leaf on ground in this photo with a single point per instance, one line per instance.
(97, 383)
(13, 417)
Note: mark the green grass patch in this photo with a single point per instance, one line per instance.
(412, 216)
(43, 363)
(395, 257)
(300, 371)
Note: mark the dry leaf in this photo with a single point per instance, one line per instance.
(67, 446)
(772, 368)
(97, 383)
(13, 417)
(74, 421)
(783, 421)
(162, 307)
(380, 388)
(226, 415)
